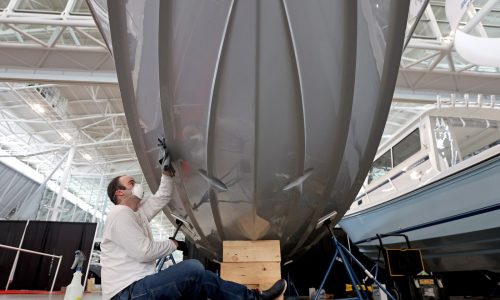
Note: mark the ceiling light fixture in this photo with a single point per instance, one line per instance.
(66, 136)
(38, 108)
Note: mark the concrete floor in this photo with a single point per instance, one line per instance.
(97, 296)
(86, 296)
(469, 298)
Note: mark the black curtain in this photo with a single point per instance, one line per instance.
(10, 235)
(35, 272)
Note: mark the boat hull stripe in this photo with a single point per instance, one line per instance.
(468, 214)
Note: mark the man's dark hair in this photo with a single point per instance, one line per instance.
(113, 186)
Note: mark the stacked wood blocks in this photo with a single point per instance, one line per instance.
(255, 264)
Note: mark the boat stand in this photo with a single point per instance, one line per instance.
(345, 256)
(291, 288)
(161, 261)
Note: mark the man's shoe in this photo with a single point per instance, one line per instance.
(275, 291)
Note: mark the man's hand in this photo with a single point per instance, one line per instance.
(181, 246)
(165, 160)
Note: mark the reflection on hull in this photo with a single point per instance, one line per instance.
(272, 109)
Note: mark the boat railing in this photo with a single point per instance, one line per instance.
(468, 100)
(407, 167)
(366, 196)
(389, 182)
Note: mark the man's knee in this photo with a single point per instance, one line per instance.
(193, 265)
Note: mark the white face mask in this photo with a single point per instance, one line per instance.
(137, 191)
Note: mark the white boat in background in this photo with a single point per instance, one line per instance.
(438, 182)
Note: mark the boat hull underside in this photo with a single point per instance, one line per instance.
(478, 250)
(261, 96)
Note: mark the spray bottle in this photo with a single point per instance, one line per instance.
(74, 290)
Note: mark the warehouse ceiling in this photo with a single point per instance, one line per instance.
(430, 61)
(58, 87)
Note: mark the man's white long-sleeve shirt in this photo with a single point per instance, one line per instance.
(128, 251)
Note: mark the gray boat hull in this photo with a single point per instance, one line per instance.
(258, 95)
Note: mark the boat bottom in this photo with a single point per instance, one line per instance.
(478, 250)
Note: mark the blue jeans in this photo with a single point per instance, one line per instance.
(185, 280)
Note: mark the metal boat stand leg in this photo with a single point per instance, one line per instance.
(159, 264)
(350, 270)
(345, 254)
(291, 286)
(345, 262)
(366, 271)
(326, 274)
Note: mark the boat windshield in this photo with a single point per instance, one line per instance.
(457, 139)
(395, 156)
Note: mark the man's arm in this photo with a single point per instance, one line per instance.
(128, 234)
(152, 205)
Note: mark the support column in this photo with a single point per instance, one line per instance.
(62, 187)
(99, 193)
(75, 206)
(105, 201)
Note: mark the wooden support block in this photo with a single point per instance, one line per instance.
(251, 251)
(256, 264)
(251, 272)
(253, 286)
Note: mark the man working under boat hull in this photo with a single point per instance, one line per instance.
(129, 252)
